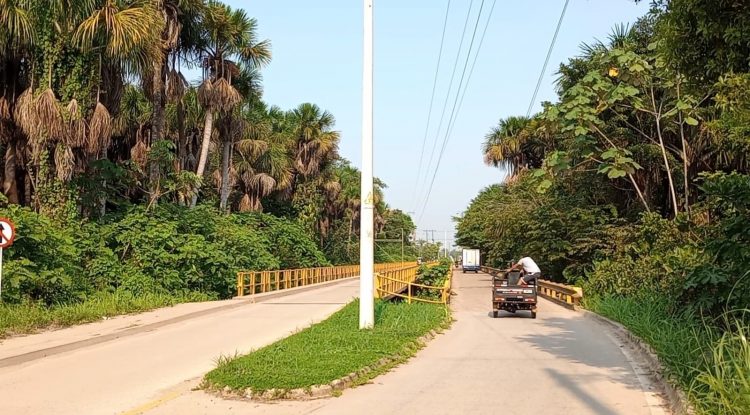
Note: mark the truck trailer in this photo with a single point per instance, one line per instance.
(470, 260)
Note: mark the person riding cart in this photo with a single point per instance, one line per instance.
(531, 271)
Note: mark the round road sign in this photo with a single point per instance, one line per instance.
(7, 232)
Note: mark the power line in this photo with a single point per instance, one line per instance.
(453, 112)
(432, 100)
(546, 61)
(447, 96)
(471, 70)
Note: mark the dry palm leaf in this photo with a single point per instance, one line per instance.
(100, 132)
(206, 94)
(216, 177)
(263, 184)
(246, 203)
(225, 96)
(76, 131)
(49, 115)
(64, 162)
(233, 177)
(24, 113)
(175, 86)
(139, 153)
(332, 187)
(5, 114)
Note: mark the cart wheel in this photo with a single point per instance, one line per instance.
(494, 313)
(533, 314)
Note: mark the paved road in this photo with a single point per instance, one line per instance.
(116, 376)
(560, 363)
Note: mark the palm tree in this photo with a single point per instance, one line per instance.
(17, 32)
(229, 39)
(316, 141)
(263, 165)
(506, 145)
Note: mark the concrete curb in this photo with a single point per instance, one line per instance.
(676, 398)
(231, 304)
(331, 389)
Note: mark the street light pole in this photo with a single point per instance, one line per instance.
(366, 243)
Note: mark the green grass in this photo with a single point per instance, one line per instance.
(331, 349)
(31, 317)
(711, 365)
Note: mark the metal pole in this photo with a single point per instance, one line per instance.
(446, 244)
(1, 275)
(402, 247)
(366, 244)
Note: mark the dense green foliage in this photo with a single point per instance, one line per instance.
(107, 150)
(433, 276)
(635, 185)
(636, 180)
(332, 349)
(168, 250)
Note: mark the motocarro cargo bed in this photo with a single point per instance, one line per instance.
(509, 296)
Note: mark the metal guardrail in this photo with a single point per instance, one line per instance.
(562, 294)
(257, 282)
(401, 283)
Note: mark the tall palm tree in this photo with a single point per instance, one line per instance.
(263, 165)
(316, 141)
(229, 39)
(248, 84)
(505, 145)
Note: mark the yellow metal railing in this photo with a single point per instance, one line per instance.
(562, 294)
(401, 283)
(257, 282)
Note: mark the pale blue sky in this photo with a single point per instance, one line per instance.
(317, 55)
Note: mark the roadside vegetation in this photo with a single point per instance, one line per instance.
(635, 185)
(27, 318)
(332, 349)
(125, 177)
(434, 276)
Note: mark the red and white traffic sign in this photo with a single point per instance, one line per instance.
(7, 232)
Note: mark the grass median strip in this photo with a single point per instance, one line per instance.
(332, 349)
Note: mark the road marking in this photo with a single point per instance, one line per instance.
(154, 403)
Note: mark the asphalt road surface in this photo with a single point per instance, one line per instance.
(560, 363)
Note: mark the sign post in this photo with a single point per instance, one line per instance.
(7, 235)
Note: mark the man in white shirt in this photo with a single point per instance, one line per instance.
(531, 271)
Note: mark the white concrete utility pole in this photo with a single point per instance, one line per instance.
(446, 244)
(366, 233)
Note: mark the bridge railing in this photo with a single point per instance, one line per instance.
(402, 283)
(565, 295)
(257, 282)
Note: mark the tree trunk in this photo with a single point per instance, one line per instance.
(225, 160)
(182, 144)
(685, 162)
(158, 118)
(10, 184)
(207, 130)
(640, 194)
(672, 192)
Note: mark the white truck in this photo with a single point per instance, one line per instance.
(470, 260)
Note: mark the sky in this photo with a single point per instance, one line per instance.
(317, 57)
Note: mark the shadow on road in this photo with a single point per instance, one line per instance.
(572, 385)
(579, 341)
